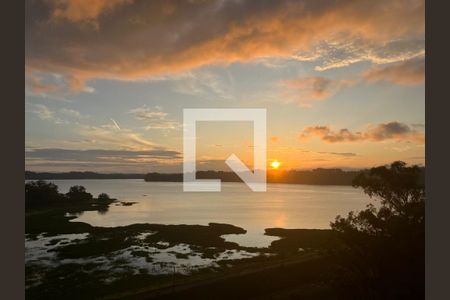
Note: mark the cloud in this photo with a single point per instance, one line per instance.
(410, 72)
(72, 113)
(418, 125)
(102, 160)
(44, 113)
(45, 84)
(154, 118)
(145, 113)
(342, 50)
(97, 154)
(89, 11)
(36, 85)
(109, 136)
(201, 83)
(345, 154)
(61, 116)
(394, 131)
(104, 167)
(309, 89)
(141, 39)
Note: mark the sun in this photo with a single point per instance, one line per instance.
(275, 164)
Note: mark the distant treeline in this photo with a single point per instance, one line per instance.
(29, 175)
(316, 176)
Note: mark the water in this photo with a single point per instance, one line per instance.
(40, 252)
(283, 205)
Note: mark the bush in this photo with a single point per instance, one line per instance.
(103, 197)
(78, 193)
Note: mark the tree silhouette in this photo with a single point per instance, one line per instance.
(103, 197)
(78, 193)
(383, 253)
(40, 192)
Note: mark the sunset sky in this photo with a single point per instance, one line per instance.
(107, 82)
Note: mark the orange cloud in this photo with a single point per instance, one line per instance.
(395, 131)
(37, 86)
(411, 72)
(82, 10)
(308, 89)
(141, 39)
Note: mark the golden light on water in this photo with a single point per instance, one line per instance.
(275, 164)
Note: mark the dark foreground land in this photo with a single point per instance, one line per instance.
(79, 267)
(377, 253)
(304, 277)
(229, 278)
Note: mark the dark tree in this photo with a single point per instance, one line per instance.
(384, 252)
(40, 193)
(78, 193)
(103, 197)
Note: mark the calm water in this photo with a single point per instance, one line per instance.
(286, 206)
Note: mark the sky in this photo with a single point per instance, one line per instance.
(107, 82)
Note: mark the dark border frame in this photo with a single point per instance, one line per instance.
(437, 151)
(12, 280)
(437, 263)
